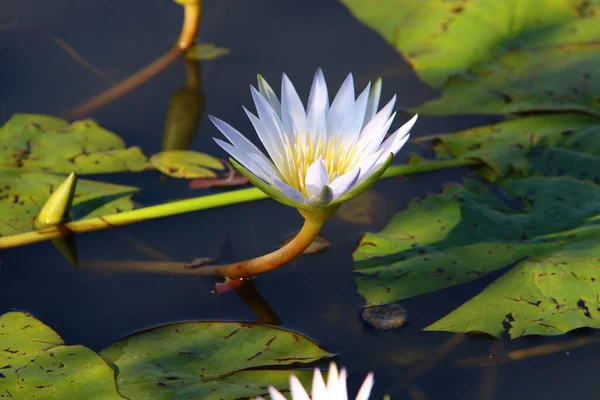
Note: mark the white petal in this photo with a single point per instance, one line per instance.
(352, 124)
(343, 183)
(267, 114)
(269, 94)
(318, 106)
(244, 158)
(342, 390)
(234, 136)
(366, 165)
(289, 191)
(275, 395)
(373, 103)
(342, 105)
(376, 139)
(332, 378)
(318, 90)
(293, 115)
(395, 142)
(298, 392)
(365, 389)
(319, 390)
(373, 133)
(266, 166)
(316, 177)
(272, 142)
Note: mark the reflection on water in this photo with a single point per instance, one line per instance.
(185, 110)
(315, 295)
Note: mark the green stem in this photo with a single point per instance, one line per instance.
(268, 262)
(189, 205)
(428, 166)
(130, 217)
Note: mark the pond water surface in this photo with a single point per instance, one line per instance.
(316, 294)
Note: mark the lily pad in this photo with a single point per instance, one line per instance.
(549, 295)
(36, 364)
(208, 360)
(22, 195)
(473, 229)
(41, 143)
(560, 144)
(186, 164)
(490, 56)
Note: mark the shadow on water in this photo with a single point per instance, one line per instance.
(315, 294)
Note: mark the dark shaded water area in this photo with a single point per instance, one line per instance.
(316, 294)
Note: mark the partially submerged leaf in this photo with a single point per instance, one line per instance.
(206, 51)
(206, 183)
(35, 364)
(548, 295)
(22, 195)
(507, 147)
(208, 360)
(186, 164)
(491, 56)
(468, 231)
(553, 78)
(231, 179)
(34, 142)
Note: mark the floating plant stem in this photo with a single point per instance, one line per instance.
(183, 206)
(191, 22)
(428, 166)
(130, 217)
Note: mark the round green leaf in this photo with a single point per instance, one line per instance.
(35, 364)
(186, 164)
(42, 143)
(207, 360)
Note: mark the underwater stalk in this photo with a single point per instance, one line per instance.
(191, 22)
(259, 265)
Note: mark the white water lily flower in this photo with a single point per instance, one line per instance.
(319, 156)
(335, 389)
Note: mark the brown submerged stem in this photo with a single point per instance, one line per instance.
(191, 23)
(259, 265)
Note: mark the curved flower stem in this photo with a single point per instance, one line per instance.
(268, 262)
(191, 22)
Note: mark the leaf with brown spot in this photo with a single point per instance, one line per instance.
(41, 143)
(492, 56)
(23, 194)
(186, 164)
(546, 226)
(38, 365)
(210, 359)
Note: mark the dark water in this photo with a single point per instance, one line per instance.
(314, 295)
